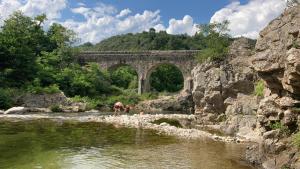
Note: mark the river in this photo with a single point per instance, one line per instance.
(55, 144)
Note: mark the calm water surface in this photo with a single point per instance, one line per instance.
(46, 144)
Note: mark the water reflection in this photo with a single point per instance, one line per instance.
(47, 144)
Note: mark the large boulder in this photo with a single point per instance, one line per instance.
(44, 100)
(182, 102)
(214, 82)
(277, 53)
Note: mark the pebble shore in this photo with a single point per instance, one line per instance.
(134, 121)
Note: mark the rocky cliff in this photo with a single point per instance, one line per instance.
(224, 92)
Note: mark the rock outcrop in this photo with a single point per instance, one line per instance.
(218, 84)
(181, 102)
(44, 100)
(277, 62)
(223, 92)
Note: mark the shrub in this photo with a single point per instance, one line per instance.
(284, 130)
(259, 88)
(91, 103)
(36, 88)
(6, 100)
(56, 108)
(149, 96)
(296, 140)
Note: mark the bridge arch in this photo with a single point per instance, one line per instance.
(144, 62)
(153, 68)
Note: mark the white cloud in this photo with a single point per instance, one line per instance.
(100, 22)
(249, 19)
(104, 21)
(186, 25)
(7, 7)
(123, 13)
(52, 8)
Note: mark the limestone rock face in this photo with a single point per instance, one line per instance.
(44, 100)
(181, 102)
(277, 59)
(214, 82)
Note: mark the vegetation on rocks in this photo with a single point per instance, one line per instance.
(259, 88)
(296, 139)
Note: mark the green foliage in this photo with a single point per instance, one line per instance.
(296, 139)
(35, 88)
(166, 78)
(6, 100)
(92, 103)
(87, 81)
(21, 40)
(296, 45)
(284, 130)
(124, 77)
(151, 40)
(259, 88)
(216, 41)
(148, 96)
(171, 122)
(56, 108)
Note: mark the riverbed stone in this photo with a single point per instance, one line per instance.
(2, 111)
(16, 110)
(271, 134)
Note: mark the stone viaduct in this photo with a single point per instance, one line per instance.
(144, 62)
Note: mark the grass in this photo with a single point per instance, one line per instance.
(296, 140)
(284, 130)
(259, 88)
(56, 108)
(171, 122)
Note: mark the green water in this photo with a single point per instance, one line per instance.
(46, 144)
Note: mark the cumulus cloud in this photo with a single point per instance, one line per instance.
(249, 19)
(9, 6)
(123, 13)
(98, 26)
(186, 25)
(100, 21)
(32, 8)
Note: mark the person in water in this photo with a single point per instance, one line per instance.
(118, 107)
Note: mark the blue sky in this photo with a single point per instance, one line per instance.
(95, 20)
(200, 10)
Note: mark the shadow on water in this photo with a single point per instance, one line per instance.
(54, 144)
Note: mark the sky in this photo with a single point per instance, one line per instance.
(95, 20)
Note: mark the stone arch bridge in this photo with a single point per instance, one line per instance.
(144, 62)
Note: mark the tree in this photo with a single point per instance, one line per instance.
(21, 41)
(216, 41)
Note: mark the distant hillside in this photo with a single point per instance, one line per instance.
(151, 40)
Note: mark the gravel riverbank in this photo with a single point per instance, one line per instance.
(134, 121)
